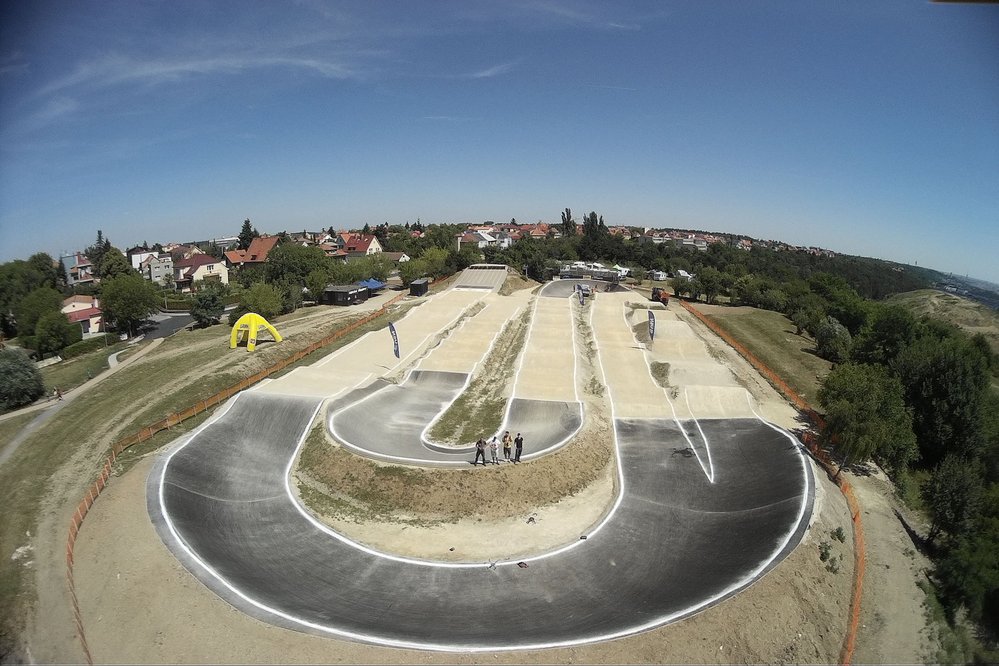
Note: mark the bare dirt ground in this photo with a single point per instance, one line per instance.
(140, 605)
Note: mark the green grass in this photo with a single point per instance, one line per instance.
(73, 372)
(771, 337)
(478, 411)
(10, 427)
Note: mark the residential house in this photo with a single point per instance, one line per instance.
(255, 255)
(360, 245)
(157, 268)
(80, 271)
(136, 255)
(85, 311)
(200, 267)
(477, 239)
(396, 257)
(182, 251)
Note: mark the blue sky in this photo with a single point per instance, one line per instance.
(866, 128)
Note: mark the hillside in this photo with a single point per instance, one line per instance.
(962, 312)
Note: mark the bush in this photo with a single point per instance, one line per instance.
(86, 346)
(20, 381)
(55, 332)
(176, 304)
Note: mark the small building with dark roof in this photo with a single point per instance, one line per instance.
(347, 294)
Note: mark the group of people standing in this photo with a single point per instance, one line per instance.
(518, 446)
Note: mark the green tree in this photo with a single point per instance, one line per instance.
(127, 300)
(680, 285)
(711, 283)
(113, 263)
(208, 305)
(246, 235)
(969, 571)
(20, 381)
(17, 279)
(945, 384)
(54, 331)
(435, 259)
(952, 496)
(96, 251)
(34, 306)
(800, 319)
(412, 270)
(890, 330)
(832, 340)
(292, 263)
(262, 298)
(866, 416)
(316, 282)
(568, 224)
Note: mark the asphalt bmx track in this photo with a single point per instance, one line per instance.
(678, 538)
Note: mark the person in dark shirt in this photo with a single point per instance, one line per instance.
(518, 446)
(480, 451)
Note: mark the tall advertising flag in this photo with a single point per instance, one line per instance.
(652, 326)
(395, 339)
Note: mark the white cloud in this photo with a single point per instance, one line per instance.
(120, 70)
(495, 70)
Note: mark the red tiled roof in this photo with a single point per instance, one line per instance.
(80, 315)
(236, 256)
(355, 243)
(259, 248)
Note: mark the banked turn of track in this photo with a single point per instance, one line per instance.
(676, 540)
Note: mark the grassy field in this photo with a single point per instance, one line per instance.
(962, 312)
(73, 372)
(10, 427)
(771, 337)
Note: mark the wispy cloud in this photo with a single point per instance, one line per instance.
(448, 119)
(572, 14)
(121, 70)
(13, 64)
(604, 87)
(495, 70)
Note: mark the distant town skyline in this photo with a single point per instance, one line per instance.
(864, 128)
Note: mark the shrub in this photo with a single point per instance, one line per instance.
(88, 345)
(20, 381)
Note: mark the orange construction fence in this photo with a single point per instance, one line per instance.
(101, 482)
(811, 441)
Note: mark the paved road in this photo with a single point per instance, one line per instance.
(165, 325)
(680, 537)
(674, 544)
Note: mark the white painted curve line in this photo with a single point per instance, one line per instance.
(704, 438)
(709, 472)
(367, 638)
(575, 359)
(617, 448)
(516, 382)
(424, 439)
